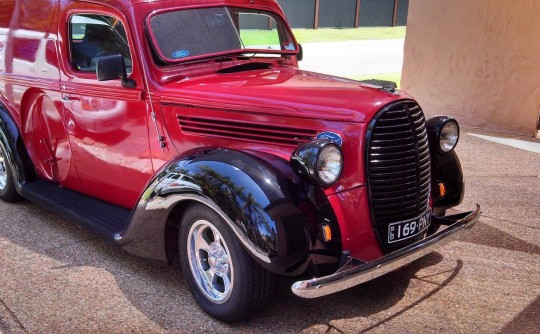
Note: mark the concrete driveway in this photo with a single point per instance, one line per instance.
(354, 58)
(57, 278)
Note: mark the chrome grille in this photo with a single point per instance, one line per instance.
(398, 168)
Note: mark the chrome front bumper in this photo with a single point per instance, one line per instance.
(350, 275)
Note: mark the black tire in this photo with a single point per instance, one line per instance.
(250, 285)
(8, 192)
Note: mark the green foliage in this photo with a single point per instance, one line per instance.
(259, 37)
(336, 35)
(395, 77)
(269, 37)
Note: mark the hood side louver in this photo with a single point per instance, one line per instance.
(239, 130)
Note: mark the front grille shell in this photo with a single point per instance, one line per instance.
(398, 168)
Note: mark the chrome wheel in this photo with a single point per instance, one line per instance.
(3, 170)
(210, 261)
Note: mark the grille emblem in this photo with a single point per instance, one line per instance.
(334, 137)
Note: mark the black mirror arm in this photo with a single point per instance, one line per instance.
(300, 54)
(129, 83)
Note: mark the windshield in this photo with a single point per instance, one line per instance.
(196, 33)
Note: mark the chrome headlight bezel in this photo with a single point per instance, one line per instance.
(449, 136)
(310, 159)
(443, 133)
(329, 165)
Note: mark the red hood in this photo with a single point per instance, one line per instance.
(282, 90)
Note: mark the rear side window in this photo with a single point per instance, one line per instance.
(94, 36)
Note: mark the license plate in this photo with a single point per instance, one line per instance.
(408, 229)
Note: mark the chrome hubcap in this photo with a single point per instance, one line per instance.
(210, 261)
(3, 171)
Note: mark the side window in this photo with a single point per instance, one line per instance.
(257, 33)
(92, 36)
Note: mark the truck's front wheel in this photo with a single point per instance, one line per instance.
(224, 280)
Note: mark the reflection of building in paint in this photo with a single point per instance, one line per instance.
(98, 115)
(173, 182)
(33, 54)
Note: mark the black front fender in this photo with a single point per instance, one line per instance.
(257, 200)
(446, 170)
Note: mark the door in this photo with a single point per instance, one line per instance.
(106, 122)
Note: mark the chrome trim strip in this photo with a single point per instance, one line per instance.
(348, 278)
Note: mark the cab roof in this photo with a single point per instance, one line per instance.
(184, 3)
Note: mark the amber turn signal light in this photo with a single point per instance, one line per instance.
(442, 189)
(327, 232)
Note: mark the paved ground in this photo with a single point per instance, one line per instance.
(354, 58)
(56, 277)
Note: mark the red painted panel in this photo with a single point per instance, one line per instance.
(106, 122)
(353, 214)
(25, 48)
(109, 138)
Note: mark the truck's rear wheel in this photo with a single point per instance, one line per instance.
(224, 280)
(8, 192)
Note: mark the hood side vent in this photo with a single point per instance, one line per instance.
(238, 130)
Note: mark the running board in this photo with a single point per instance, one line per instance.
(102, 219)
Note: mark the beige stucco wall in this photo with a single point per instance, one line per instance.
(478, 60)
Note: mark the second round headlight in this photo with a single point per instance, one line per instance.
(449, 136)
(329, 164)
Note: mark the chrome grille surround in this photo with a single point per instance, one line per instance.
(398, 169)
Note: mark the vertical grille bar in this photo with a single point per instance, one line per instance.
(398, 168)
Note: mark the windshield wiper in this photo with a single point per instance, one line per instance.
(251, 66)
(231, 56)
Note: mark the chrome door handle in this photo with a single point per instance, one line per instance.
(67, 98)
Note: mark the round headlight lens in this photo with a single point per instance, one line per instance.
(329, 164)
(449, 136)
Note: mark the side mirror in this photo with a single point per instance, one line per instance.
(113, 67)
(300, 54)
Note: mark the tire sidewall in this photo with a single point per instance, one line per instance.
(228, 309)
(9, 193)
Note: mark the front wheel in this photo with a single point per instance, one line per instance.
(224, 280)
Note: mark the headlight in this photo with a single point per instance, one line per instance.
(329, 164)
(319, 161)
(449, 136)
(443, 132)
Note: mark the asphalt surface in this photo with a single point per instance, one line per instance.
(354, 58)
(58, 278)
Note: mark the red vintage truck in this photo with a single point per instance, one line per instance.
(182, 128)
